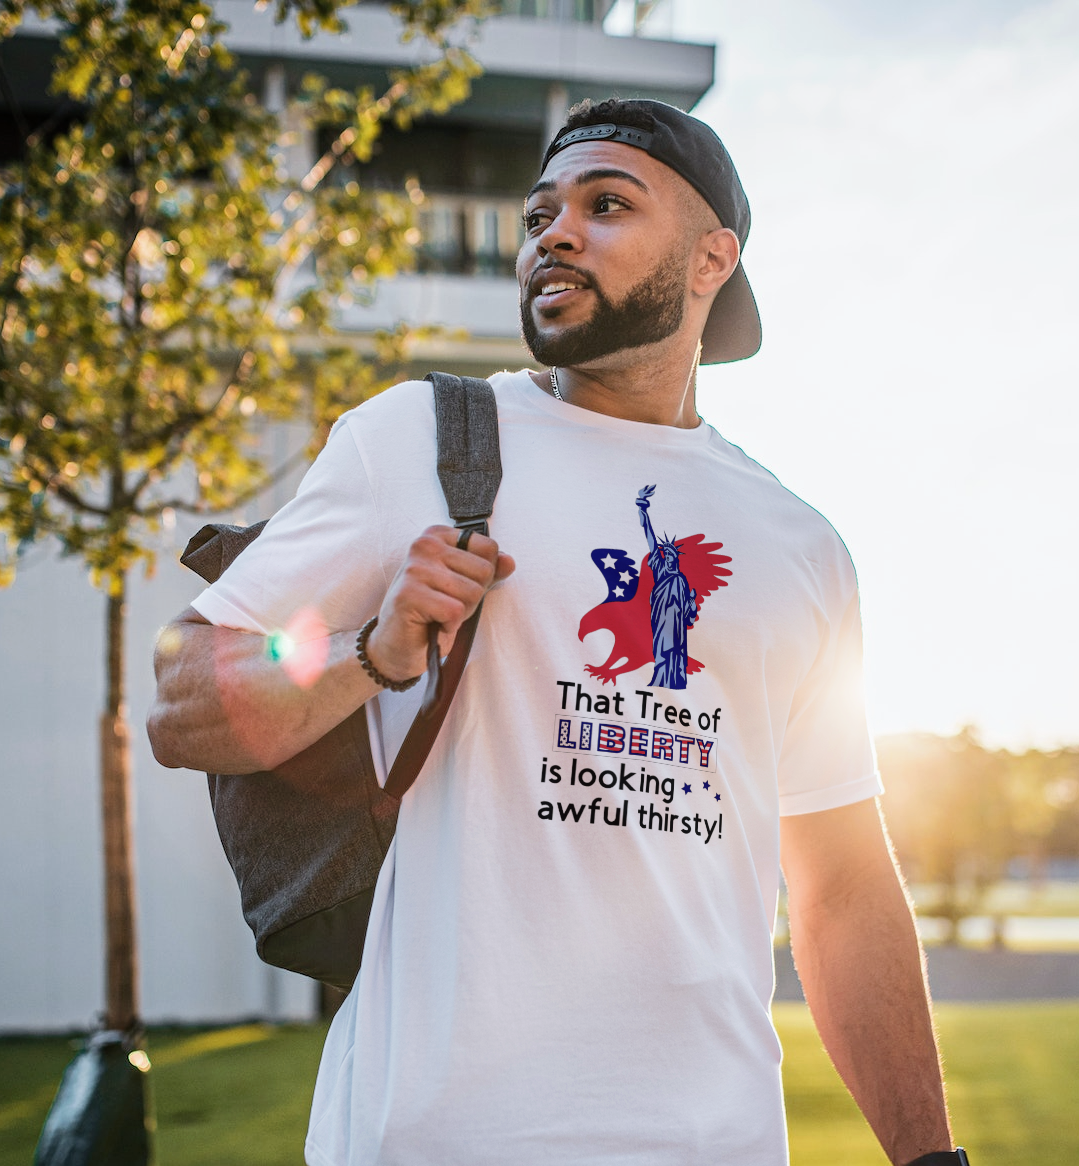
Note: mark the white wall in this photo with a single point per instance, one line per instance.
(198, 957)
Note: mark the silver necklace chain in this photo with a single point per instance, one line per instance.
(554, 386)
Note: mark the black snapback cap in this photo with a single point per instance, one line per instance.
(692, 149)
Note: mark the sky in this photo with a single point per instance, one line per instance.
(913, 172)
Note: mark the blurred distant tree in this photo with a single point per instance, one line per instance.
(948, 807)
(1045, 793)
(161, 277)
(959, 813)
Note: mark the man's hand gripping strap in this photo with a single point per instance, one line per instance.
(470, 471)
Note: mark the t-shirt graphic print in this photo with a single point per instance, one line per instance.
(607, 748)
(650, 609)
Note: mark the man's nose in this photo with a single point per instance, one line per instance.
(562, 233)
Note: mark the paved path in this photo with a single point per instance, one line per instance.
(963, 973)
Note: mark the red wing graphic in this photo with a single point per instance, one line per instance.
(702, 566)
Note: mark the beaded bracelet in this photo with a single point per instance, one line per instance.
(370, 669)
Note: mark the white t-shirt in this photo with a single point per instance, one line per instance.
(569, 958)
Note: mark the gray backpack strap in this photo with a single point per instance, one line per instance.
(470, 471)
(469, 463)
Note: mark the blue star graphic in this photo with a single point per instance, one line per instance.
(686, 789)
(707, 786)
(717, 797)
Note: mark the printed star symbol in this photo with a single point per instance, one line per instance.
(625, 576)
(619, 591)
(608, 561)
(707, 786)
(687, 789)
(717, 797)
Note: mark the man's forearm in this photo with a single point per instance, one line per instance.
(225, 704)
(860, 963)
(228, 703)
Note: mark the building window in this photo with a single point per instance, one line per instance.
(469, 235)
(582, 11)
(474, 178)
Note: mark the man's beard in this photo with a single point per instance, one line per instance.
(651, 311)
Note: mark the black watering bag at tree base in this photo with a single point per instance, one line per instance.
(99, 1115)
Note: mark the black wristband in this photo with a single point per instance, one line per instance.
(371, 670)
(956, 1157)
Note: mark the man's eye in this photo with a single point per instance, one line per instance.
(607, 203)
(533, 220)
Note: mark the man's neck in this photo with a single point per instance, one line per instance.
(657, 391)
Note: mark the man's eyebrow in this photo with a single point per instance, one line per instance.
(541, 187)
(598, 175)
(585, 177)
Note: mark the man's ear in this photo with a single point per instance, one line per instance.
(715, 259)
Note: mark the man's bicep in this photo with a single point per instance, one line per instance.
(188, 616)
(834, 852)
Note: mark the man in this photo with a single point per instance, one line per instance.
(542, 981)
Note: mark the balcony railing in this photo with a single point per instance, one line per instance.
(580, 11)
(469, 234)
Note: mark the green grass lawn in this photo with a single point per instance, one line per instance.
(239, 1096)
(1013, 1086)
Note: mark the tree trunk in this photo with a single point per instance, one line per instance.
(122, 968)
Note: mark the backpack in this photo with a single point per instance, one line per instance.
(306, 840)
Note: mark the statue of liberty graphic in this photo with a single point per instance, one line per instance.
(652, 604)
(673, 602)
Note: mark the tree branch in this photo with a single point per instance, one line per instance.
(76, 502)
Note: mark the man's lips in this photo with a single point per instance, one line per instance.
(553, 286)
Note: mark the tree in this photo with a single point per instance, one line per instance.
(1045, 789)
(959, 813)
(948, 806)
(161, 279)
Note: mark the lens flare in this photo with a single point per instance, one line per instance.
(302, 648)
(279, 646)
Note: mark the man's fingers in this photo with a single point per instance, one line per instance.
(439, 582)
(504, 567)
(425, 579)
(477, 560)
(442, 606)
(440, 542)
(454, 584)
(481, 561)
(483, 546)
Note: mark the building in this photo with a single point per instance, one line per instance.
(198, 961)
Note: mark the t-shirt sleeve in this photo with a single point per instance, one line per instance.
(317, 567)
(827, 759)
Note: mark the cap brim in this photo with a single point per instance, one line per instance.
(733, 329)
